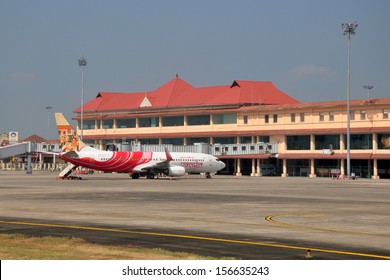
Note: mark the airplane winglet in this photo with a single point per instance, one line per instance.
(168, 155)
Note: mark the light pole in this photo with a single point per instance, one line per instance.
(48, 108)
(82, 64)
(368, 88)
(349, 29)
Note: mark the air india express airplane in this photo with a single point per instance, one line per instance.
(137, 164)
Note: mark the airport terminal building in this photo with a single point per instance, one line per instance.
(304, 139)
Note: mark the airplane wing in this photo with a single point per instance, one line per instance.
(156, 167)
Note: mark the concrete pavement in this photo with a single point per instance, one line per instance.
(241, 217)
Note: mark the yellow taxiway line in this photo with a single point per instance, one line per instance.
(203, 238)
(271, 219)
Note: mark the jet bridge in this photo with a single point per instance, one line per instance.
(17, 150)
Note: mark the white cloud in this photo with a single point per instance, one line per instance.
(305, 71)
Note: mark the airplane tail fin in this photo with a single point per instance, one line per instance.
(69, 140)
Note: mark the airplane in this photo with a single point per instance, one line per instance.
(137, 164)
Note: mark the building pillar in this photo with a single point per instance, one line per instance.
(375, 176)
(312, 142)
(374, 142)
(238, 161)
(253, 167)
(342, 144)
(258, 167)
(40, 161)
(284, 174)
(29, 167)
(342, 151)
(312, 169)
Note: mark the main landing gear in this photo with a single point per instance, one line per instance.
(149, 175)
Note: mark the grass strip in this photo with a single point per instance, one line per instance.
(21, 247)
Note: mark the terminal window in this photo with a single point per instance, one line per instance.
(108, 124)
(225, 118)
(383, 141)
(125, 123)
(198, 120)
(322, 117)
(385, 113)
(352, 115)
(327, 141)
(360, 141)
(173, 121)
(298, 142)
(89, 124)
(148, 122)
(362, 115)
(331, 116)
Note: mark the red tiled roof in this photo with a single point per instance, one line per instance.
(179, 93)
(39, 139)
(318, 105)
(35, 138)
(253, 92)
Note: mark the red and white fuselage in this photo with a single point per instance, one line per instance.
(171, 164)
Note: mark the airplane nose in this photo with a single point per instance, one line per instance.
(222, 165)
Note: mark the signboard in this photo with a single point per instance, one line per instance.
(13, 137)
(327, 152)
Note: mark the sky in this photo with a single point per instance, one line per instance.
(135, 46)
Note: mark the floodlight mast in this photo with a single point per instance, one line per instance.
(349, 29)
(368, 88)
(82, 64)
(48, 108)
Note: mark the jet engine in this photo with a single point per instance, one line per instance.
(175, 171)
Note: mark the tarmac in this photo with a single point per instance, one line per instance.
(256, 218)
